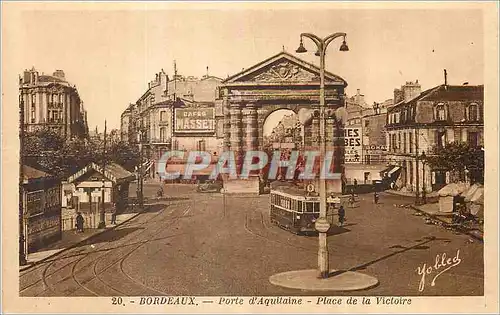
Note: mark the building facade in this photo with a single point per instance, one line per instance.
(426, 122)
(365, 140)
(156, 119)
(50, 101)
(374, 133)
(127, 124)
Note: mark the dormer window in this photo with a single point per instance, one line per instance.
(472, 112)
(440, 112)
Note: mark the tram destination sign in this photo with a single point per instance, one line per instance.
(194, 120)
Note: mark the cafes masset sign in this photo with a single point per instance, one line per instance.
(194, 120)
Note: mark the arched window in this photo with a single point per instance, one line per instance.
(473, 112)
(440, 112)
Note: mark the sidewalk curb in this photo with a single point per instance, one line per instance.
(409, 195)
(477, 237)
(78, 243)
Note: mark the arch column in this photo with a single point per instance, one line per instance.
(251, 127)
(261, 117)
(235, 128)
(226, 124)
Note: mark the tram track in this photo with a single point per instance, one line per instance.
(94, 263)
(249, 230)
(120, 261)
(45, 273)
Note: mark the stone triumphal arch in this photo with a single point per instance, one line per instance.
(282, 81)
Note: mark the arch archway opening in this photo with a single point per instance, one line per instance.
(282, 129)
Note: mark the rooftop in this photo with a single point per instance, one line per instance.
(33, 173)
(447, 93)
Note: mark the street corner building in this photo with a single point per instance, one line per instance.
(420, 124)
(365, 142)
(174, 113)
(42, 205)
(51, 102)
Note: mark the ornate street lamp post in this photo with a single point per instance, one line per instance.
(322, 224)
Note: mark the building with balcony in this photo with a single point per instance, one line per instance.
(168, 116)
(426, 122)
(50, 101)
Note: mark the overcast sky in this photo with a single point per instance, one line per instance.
(111, 55)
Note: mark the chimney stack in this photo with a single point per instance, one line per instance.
(59, 74)
(445, 78)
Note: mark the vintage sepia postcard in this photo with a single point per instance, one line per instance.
(239, 157)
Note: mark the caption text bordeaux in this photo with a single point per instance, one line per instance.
(268, 301)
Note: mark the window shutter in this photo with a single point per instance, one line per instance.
(433, 175)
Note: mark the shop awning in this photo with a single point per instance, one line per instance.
(394, 170)
(453, 189)
(181, 168)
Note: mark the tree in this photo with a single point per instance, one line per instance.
(49, 151)
(459, 158)
(124, 154)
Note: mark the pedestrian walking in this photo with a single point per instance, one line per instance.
(375, 197)
(355, 185)
(113, 214)
(352, 200)
(159, 193)
(341, 214)
(79, 222)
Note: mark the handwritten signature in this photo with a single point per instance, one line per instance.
(442, 261)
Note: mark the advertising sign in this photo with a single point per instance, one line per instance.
(35, 202)
(374, 149)
(353, 145)
(194, 120)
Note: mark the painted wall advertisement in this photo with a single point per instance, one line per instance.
(353, 145)
(194, 120)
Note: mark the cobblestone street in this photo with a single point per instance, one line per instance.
(207, 244)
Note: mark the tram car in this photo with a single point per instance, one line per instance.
(294, 210)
